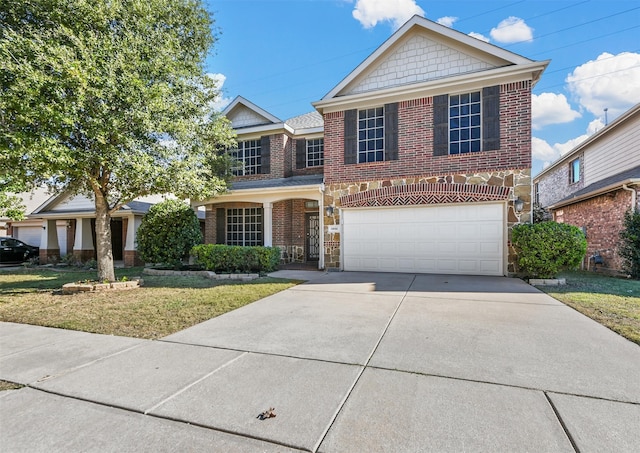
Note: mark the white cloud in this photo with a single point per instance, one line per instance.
(447, 21)
(551, 108)
(220, 102)
(479, 36)
(370, 12)
(541, 150)
(564, 148)
(512, 29)
(611, 81)
(595, 126)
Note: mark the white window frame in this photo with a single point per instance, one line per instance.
(371, 135)
(465, 137)
(315, 152)
(244, 226)
(248, 154)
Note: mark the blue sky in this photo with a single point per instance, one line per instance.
(284, 54)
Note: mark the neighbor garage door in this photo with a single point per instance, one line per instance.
(447, 239)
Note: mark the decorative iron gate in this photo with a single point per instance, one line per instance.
(313, 237)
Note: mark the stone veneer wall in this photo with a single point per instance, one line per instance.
(516, 181)
(602, 217)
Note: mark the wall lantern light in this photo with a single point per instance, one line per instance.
(329, 211)
(518, 204)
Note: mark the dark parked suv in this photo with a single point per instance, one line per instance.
(15, 251)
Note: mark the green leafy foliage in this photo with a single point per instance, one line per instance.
(629, 249)
(233, 258)
(546, 248)
(110, 99)
(11, 206)
(167, 232)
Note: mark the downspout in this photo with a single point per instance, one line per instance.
(321, 239)
(634, 194)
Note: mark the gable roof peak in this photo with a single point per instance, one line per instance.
(240, 103)
(483, 54)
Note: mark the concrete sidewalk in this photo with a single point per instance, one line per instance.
(349, 362)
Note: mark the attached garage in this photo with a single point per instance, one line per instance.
(442, 239)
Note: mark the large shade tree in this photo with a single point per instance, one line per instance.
(110, 99)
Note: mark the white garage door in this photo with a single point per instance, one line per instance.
(444, 239)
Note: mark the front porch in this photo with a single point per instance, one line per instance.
(270, 214)
(76, 238)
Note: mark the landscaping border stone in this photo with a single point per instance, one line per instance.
(547, 281)
(205, 274)
(79, 287)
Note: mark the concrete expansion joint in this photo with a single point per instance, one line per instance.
(562, 423)
(357, 378)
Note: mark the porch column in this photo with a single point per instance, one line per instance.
(130, 248)
(267, 212)
(49, 248)
(83, 245)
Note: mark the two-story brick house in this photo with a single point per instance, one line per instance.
(426, 162)
(594, 184)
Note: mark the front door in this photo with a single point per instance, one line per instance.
(313, 237)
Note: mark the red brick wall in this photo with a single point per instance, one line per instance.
(289, 223)
(282, 222)
(603, 219)
(415, 133)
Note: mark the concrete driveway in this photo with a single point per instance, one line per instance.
(349, 362)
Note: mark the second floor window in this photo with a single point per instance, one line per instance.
(371, 135)
(464, 123)
(249, 158)
(315, 152)
(574, 171)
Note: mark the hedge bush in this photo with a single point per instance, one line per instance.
(167, 233)
(546, 248)
(629, 249)
(234, 258)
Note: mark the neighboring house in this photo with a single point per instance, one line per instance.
(65, 225)
(418, 161)
(594, 184)
(28, 231)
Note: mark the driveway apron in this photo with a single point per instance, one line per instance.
(345, 362)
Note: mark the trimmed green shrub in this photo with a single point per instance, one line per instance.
(546, 248)
(168, 232)
(629, 249)
(234, 258)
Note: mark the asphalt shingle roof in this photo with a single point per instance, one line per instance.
(306, 121)
(279, 182)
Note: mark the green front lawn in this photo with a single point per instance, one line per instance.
(613, 302)
(164, 305)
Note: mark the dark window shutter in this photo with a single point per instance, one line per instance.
(265, 155)
(491, 118)
(351, 136)
(441, 125)
(221, 223)
(391, 131)
(301, 153)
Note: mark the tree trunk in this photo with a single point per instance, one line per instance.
(104, 251)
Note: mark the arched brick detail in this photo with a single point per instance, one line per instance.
(420, 194)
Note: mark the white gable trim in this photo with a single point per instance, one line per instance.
(449, 33)
(464, 82)
(239, 100)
